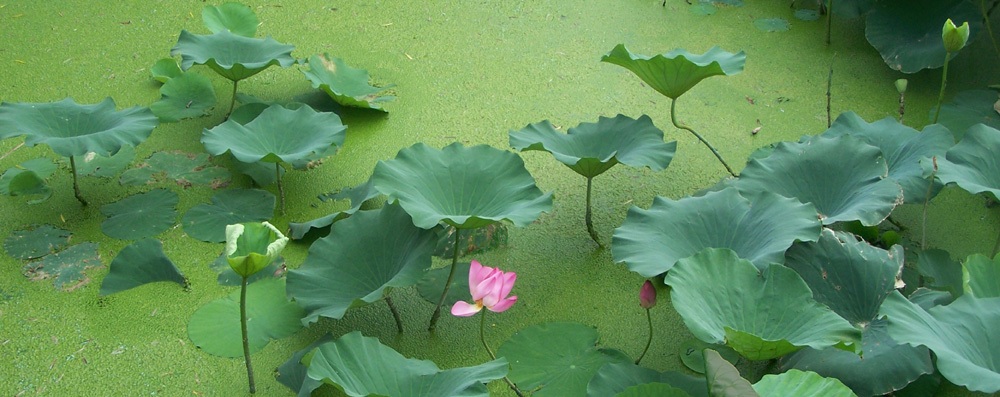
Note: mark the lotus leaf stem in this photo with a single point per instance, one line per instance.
(588, 219)
(232, 102)
(76, 184)
(447, 284)
(246, 340)
(944, 82)
(281, 190)
(649, 319)
(482, 326)
(12, 151)
(829, 86)
(996, 248)
(927, 199)
(673, 119)
(829, 20)
(395, 313)
(902, 106)
(989, 28)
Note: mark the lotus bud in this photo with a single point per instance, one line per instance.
(250, 247)
(901, 86)
(647, 295)
(954, 37)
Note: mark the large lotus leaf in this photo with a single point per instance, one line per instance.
(467, 187)
(962, 336)
(184, 168)
(337, 276)
(100, 166)
(760, 314)
(207, 222)
(165, 69)
(967, 109)
(845, 178)
(723, 378)
(901, 146)
(215, 327)
(614, 378)
(981, 276)
(362, 366)
(186, 96)
(278, 134)
(71, 129)
(973, 164)
(653, 390)
(592, 148)
(346, 85)
(293, 373)
(231, 56)
(36, 242)
(141, 215)
(847, 274)
(885, 367)
(140, 263)
(801, 384)
(674, 73)
(908, 33)
(356, 195)
(940, 272)
(234, 17)
(760, 230)
(67, 267)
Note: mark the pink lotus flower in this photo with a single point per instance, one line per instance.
(489, 287)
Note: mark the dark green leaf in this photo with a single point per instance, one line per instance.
(692, 357)
(614, 378)
(294, 374)
(185, 168)
(42, 167)
(703, 8)
(140, 263)
(65, 267)
(36, 242)
(431, 284)
(908, 33)
(356, 195)
(967, 109)
(141, 215)
(207, 222)
(186, 96)
(940, 272)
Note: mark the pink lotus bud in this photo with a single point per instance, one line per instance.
(647, 296)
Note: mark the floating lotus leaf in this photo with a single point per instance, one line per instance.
(760, 314)
(807, 15)
(908, 33)
(901, 146)
(65, 267)
(760, 230)
(207, 222)
(357, 195)
(847, 274)
(431, 285)
(614, 378)
(845, 178)
(234, 17)
(36, 242)
(231, 56)
(229, 278)
(981, 276)
(772, 24)
(93, 164)
(165, 69)
(71, 129)
(140, 263)
(294, 374)
(362, 366)
(346, 85)
(723, 378)
(801, 384)
(141, 215)
(703, 8)
(940, 272)
(653, 390)
(962, 336)
(337, 276)
(28, 178)
(967, 109)
(186, 96)
(185, 169)
(674, 73)
(215, 327)
(467, 187)
(278, 134)
(592, 148)
(885, 367)
(972, 163)
(560, 357)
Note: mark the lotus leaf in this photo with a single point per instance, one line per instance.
(723, 378)
(972, 164)
(184, 168)
(907, 33)
(362, 366)
(65, 267)
(466, 187)
(186, 96)
(981, 276)
(207, 222)
(614, 378)
(231, 56)
(772, 24)
(215, 327)
(703, 8)
(294, 374)
(928, 298)
(760, 314)
(431, 285)
(229, 278)
(279, 134)
(337, 276)
(901, 146)
(140, 263)
(674, 73)
(940, 272)
(28, 178)
(845, 178)
(36, 242)
(234, 17)
(165, 69)
(801, 384)
(653, 390)
(967, 109)
(346, 85)
(356, 195)
(592, 148)
(261, 173)
(807, 15)
(481, 239)
(141, 215)
(962, 336)
(651, 241)
(92, 164)
(852, 8)
(693, 359)
(561, 357)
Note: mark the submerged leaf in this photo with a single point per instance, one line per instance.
(140, 263)
(674, 73)
(346, 85)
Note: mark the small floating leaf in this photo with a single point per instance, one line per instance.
(140, 263)
(185, 168)
(66, 267)
(772, 24)
(141, 215)
(35, 243)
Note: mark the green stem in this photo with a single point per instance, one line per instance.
(927, 199)
(829, 21)
(76, 186)
(246, 340)
(989, 28)
(996, 248)
(829, 97)
(944, 82)
(447, 284)
(649, 319)
(588, 218)
(395, 314)
(673, 119)
(281, 190)
(902, 106)
(232, 102)
(482, 337)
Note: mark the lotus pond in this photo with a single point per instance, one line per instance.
(637, 198)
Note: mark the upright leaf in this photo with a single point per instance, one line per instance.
(973, 164)
(346, 85)
(674, 73)
(140, 263)
(231, 56)
(234, 17)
